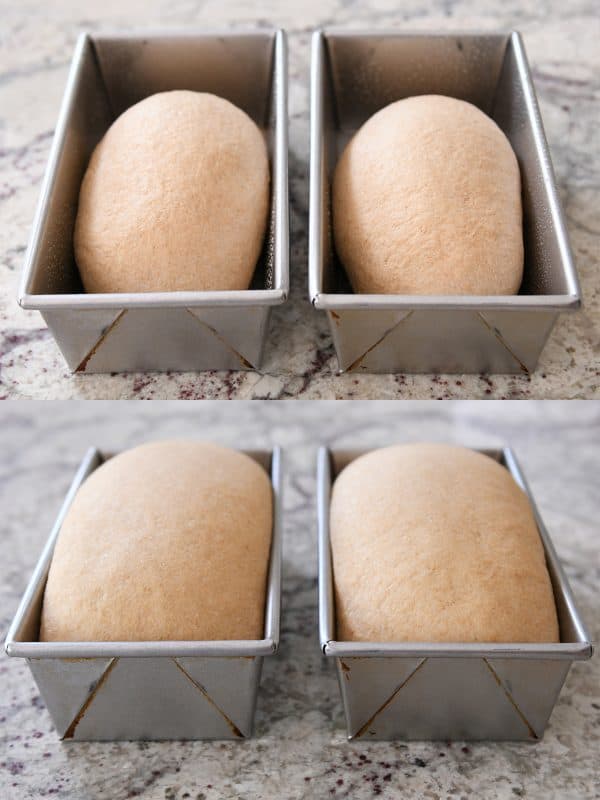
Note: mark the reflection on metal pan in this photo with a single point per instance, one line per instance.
(148, 690)
(354, 74)
(165, 330)
(450, 691)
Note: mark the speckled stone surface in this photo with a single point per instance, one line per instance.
(36, 44)
(300, 749)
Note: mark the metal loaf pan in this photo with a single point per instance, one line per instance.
(163, 330)
(428, 690)
(353, 75)
(148, 690)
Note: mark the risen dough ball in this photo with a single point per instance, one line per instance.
(427, 200)
(435, 543)
(175, 198)
(169, 540)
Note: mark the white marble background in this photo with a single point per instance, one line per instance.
(36, 42)
(300, 751)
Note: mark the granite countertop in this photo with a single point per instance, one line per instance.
(300, 750)
(561, 41)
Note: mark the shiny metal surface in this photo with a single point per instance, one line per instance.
(353, 74)
(164, 330)
(452, 691)
(148, 690)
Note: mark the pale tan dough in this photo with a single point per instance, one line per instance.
(169, 540)
(175, 198)
(436, 543)
(427, 200)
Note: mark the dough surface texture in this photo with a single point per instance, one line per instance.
(437, 543)
(427, 200)
(175, 198)
(167, 541)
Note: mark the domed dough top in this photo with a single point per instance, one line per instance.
(175, 198)
(436, 543)
(427, 200)
(168, 541)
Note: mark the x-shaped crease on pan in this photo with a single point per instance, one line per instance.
(244, 361)
(70, 732)
(493, 330)
(359, 360)
(236, 731)
(511, 700)
(500, 338)
(84, 361)
(496, 677)
(383, 706)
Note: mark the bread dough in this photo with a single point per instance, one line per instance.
(168, 541)
(175, 198)
(436, 543)
(427, 200)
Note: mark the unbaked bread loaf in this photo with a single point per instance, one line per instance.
(436, 543)
(427, 200)
(175, 198)
(168, 541)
